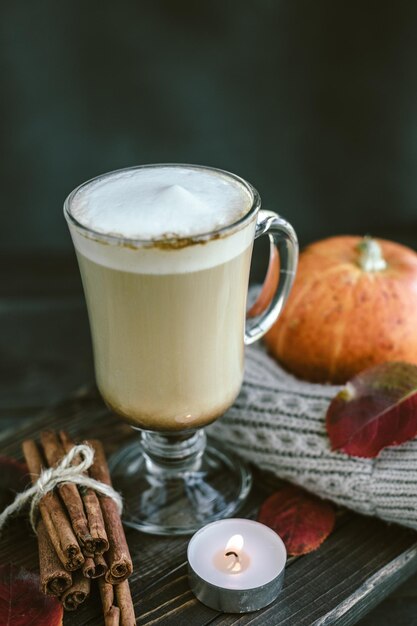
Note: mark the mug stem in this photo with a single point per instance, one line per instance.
(171, 453)
(173, 483)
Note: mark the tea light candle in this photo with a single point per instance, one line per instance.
(236, 565)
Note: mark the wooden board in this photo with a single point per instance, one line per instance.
(362, 561)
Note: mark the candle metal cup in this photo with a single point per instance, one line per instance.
(224, 587)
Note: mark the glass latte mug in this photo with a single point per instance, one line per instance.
(164, 254)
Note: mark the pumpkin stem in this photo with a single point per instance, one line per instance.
(370, 259)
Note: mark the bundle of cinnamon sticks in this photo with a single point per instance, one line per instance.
(80, 534)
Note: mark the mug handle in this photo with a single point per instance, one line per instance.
(283, 241)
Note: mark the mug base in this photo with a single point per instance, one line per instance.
(163, 502)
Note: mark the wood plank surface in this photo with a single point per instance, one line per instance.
(358, 565)
(45, 353)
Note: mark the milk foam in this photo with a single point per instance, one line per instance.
(157, 202)
(151, 203)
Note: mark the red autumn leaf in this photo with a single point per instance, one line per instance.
(14, 477)
(21, 601)
(303, 521)
(376, 409)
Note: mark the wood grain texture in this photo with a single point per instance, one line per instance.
(45, 353)
(362, 561)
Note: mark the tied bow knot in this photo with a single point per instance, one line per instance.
(71, 469)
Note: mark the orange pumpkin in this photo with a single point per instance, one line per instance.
(353, 305)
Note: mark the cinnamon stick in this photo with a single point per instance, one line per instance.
(54, 578)
(54, 452)
(77, 593)
(53, 514)
(99, 540)
(110, 611)
(101, 565)
(113, 617)
(106, 594)
(89, 567)
(118, 557)
(125, 604)
(94, 567)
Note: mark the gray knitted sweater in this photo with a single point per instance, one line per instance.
(278, 424)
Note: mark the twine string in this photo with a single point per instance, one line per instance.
(68, 470)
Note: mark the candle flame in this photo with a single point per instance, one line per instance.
(232, 553)
(235, 543)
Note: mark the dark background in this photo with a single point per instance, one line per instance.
(314, 102)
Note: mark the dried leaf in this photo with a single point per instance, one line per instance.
(303, 521)
(376, 409)
(21, 601)
(14, 477)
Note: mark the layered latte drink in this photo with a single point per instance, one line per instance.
(164, 253)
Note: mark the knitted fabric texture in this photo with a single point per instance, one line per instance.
(278, 423)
